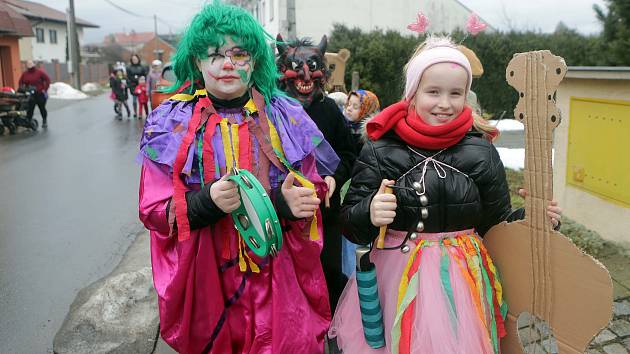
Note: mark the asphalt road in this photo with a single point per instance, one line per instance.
(68, 212)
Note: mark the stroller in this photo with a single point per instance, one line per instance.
(13, 109)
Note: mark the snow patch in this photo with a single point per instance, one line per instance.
(90, 87)
(512, 158)
(507, 125)
(515, 158)
(61, 90)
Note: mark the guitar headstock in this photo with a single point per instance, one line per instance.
(536, 77)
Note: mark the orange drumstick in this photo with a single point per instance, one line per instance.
(380, 241)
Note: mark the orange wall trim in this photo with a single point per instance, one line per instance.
(10, 61)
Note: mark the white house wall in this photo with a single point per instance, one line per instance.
(47, 52)
(315, 18)
(272, 15)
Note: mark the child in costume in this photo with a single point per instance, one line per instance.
(304, 71)
(143, 97)
(359, 108)
(121, 93)
(135, 70)
(347, 248)
(153, 78)
(214, 294)
(439, 290)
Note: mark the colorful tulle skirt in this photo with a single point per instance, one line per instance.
(443, 296)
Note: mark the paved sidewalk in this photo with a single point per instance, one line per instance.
(615, 339)
(163, 348)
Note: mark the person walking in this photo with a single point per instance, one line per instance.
(134, 72)
(120, 90)
(39, 81)
(153, 79)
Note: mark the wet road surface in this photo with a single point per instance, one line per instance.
(68, 212)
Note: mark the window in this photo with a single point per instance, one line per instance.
(52, 34)
(39, 33)
(272, 9)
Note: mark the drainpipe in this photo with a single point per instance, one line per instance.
(291, 30)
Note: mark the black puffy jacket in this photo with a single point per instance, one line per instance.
(134, 72)
(473, 192)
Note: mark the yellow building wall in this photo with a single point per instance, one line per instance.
(598, 201)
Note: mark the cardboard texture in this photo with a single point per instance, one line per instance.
(337, 66)
(542, 271)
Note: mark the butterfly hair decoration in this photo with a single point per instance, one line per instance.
(421, 24)
(473, 26)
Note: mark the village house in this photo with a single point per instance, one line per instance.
(50, 28)
(13, 27)
(145, 44)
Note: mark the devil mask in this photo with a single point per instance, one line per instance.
(303, 69)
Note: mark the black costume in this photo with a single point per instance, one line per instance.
(331, 122)
(473, 196)
(304, 72)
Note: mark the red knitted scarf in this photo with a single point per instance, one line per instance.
(413, 130)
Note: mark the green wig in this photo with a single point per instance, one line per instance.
(208, 29)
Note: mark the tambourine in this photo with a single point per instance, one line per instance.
(256, 219)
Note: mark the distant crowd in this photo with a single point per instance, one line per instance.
(137, 81)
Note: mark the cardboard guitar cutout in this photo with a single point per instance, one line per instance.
(543, 272)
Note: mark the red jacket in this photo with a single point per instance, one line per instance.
(141, 92)
(35, 77)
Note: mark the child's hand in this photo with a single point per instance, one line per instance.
(224, 194)
(301, 200)
(553, 210)
(383, 206)
(332, 185)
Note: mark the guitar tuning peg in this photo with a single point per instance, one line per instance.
(556, 118)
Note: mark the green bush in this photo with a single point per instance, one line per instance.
(587, 240)
(379, 58)
(515, 181)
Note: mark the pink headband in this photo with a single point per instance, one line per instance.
(428, 57)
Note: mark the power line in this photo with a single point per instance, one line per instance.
(125, 10)
(170, 27)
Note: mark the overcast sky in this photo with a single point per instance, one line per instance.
(502, 14)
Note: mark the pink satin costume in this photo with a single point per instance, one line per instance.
(207, 303)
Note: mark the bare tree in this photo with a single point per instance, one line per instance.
(112, 53)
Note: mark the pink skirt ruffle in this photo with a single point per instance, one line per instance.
(457, 304)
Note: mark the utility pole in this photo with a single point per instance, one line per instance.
(157, 41)
(73, 49)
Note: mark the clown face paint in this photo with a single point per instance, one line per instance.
(303, 70)
(227, 71)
